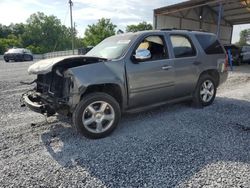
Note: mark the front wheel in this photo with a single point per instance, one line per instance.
(205, 91)
(97, 115)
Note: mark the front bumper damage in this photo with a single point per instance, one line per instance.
(36, 103)
(44, 104)
(52, 95)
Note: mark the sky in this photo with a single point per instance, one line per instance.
(86, 12)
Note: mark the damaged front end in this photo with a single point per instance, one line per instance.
(50, 95)
(55, 90)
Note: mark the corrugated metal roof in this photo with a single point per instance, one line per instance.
(234, 11)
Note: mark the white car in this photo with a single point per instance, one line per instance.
(245, 54)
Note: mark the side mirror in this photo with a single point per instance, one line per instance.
(142, 54)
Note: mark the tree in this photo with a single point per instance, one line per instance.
(140, 27)
(40, 34)
(10, 42)
(244, 37)
(45, 34)
(95, 33)
(9, 38)
(4, 31)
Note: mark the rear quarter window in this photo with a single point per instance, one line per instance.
(210, 44)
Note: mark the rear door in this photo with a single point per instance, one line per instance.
(186, 64)
(150, 81)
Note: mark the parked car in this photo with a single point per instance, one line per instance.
(245, 54)
(128, 73)
(18, 54)
(235, 53)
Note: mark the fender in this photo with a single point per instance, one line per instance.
(96, 74)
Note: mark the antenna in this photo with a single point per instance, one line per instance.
(71, 22)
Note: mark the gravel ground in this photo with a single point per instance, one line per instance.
(172, 146)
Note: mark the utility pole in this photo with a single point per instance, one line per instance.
(219, 19)
(71, 22)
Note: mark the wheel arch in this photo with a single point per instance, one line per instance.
(112, 89)
(213, 73)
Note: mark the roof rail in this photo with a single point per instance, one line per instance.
(170, 29)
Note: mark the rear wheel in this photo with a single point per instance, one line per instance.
(205, 91)
(97, 115)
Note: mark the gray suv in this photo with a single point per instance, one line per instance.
(128, 73)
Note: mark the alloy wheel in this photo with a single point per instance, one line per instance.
(98, 117)
(207, 91)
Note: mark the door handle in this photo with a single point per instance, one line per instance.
(167, 67)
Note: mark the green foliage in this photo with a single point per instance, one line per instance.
(10, 42)
(35, 49)
(40, 34)
(4, 31)
(45, 34)
(140, 27)
(95, 33)
(244, 38)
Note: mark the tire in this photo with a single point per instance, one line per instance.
(99, 122)
(205, 91)
(6, 60)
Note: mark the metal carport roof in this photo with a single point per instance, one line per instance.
(234, 11)
(217, 16)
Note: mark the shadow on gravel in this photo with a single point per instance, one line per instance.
(161, 148)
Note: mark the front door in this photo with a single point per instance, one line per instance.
(151, 80)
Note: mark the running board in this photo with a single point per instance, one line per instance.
(145, 108)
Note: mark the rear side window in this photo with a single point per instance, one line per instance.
(210, 44)
(182, 46)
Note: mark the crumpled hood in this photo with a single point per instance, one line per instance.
(45, 66)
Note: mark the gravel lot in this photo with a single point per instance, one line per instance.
(172, 146)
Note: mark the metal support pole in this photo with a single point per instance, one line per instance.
(219, 20)
(201, 18)
(71, 22)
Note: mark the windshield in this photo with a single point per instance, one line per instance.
(112, 47)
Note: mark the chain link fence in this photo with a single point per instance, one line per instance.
(59, 53)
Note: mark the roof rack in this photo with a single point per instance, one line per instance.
(171, 29)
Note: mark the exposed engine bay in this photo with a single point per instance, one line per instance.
(53, 88)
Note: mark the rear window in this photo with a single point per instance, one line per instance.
(210, 44)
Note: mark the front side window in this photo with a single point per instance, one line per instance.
(156, 46)
(182, 46)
